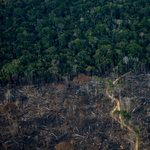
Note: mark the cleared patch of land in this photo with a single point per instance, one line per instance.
(79, 113)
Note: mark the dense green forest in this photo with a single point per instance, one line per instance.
(42, 40)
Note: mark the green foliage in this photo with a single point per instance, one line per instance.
(82, 36)
(137, 130)
(99, 79)
(124, 114)
(110, 86)
(120, 85)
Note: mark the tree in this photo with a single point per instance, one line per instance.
(54, 72)
(77, 33)
(125, 60)
(51, 50)
(21, 37)
(62, 40)
(110, 86)
(29, 73)
(78, 46)
(98, 59)
(90, 70)
(133, 49)
(10, 71)
(121, 35)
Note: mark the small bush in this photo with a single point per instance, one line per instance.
(124, 114)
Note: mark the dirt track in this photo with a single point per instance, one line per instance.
(118, 108)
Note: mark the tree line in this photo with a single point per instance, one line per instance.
(42, 40)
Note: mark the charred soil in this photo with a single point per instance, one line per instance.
(80, 114)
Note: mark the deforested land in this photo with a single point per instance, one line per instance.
(76, 112)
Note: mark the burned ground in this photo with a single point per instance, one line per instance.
(49, 114)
